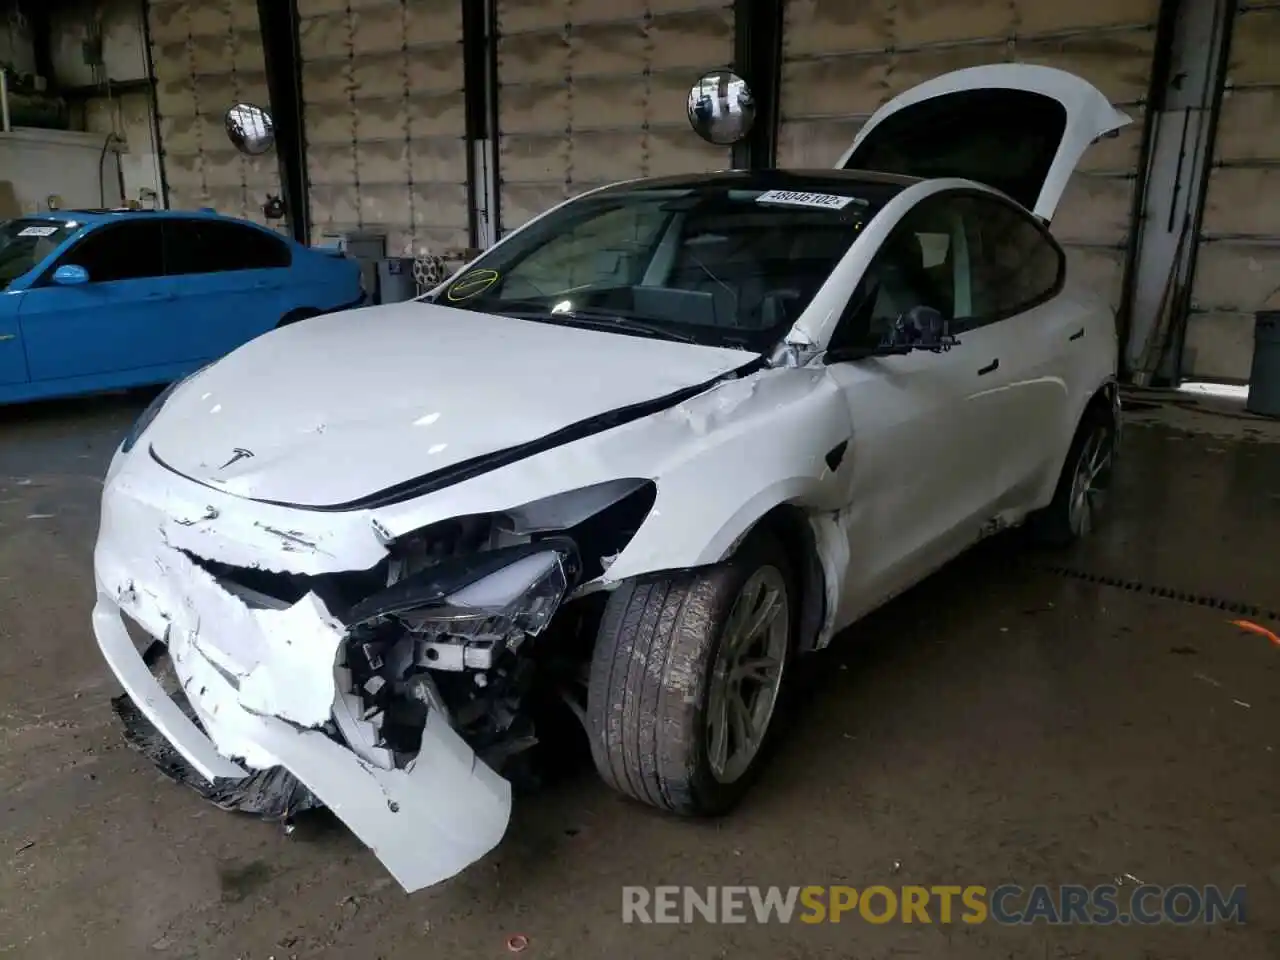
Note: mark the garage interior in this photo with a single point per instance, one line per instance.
(1091, 717)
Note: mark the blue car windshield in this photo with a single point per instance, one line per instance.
(723, 260)
(25, 242)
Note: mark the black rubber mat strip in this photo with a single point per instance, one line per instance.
(1164, 593)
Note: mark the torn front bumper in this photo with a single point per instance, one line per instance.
(259, 685)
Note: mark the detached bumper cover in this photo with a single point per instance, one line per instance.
(272, 794)
(258, 684)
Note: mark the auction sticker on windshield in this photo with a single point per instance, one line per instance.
(793, 198)
(37, 231)
(471, 284)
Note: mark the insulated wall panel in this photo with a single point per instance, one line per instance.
(207, 56)
(592, 91)
(382, 86)
(842, 60)
(1238, 253)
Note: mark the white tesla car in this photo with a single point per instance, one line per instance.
(638, 457)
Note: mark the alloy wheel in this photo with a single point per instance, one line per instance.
(747, 675)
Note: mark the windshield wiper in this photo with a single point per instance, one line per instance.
(602, 320)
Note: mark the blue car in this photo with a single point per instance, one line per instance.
(102, 300)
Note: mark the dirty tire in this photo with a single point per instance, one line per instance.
(1053, 526)
(651, 676)
(294, 316)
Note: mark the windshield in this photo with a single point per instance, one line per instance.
(24, 243)
(708, 262)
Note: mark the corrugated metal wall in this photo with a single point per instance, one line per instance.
(207, 55)
(1238, 258)
(592, 91)
(382, 84)
(843, 59)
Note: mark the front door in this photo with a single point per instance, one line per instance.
(13, 357)
(121, 320)
(925, 445)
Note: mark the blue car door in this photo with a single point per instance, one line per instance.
(122, 319)
(13, 357)
(230, 281)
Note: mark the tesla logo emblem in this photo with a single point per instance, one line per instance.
(238, 454)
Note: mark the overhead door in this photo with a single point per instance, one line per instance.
(384, 118)
(1238, 256)
(207, 56)
(841, 60)
(596, 90)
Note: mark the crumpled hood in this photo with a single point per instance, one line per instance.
(338, 407)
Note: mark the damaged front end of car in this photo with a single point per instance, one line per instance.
(453, 630)
(405, 696)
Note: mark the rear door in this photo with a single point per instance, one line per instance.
(1017, 127)
(121, 320)
(231, 280)
(1014, 304)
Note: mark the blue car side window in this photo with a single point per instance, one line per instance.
(220, 246)
(116, 251)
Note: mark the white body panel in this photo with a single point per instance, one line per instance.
(408, 385)
(934, 456)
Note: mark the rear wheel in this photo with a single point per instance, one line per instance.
(1083, 487)
(687, 679)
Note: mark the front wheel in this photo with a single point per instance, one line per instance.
(1084, 485)
(687, 679)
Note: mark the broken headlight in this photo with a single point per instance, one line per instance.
(464, 611)
(521, 597)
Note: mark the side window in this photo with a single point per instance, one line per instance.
(118, 251)
(215, 246)
(922, 262)
(1014, 265)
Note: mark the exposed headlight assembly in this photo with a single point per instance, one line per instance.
(493, 594)
(466, 592)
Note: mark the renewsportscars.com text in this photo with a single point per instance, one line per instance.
(1066, 904)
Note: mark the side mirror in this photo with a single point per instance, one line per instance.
(70, 275)
(921, 328)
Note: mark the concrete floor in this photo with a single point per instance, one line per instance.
(1001, 723)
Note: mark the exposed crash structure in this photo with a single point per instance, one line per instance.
(628, 480)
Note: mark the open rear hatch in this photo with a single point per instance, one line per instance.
(1017, 127)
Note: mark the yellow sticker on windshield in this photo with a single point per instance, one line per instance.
(471, 284)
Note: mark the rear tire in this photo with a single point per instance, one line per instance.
(687, 680)
(1084, 484)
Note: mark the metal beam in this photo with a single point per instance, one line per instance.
(480, 81)
(37, 14)
(1157, 89)
(1227, 20)
(757, 58)
(278, 22)
(144, 12)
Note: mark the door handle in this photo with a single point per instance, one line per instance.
(1077, 335)
(993, 365)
